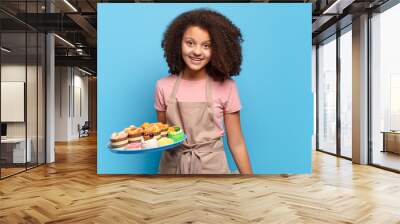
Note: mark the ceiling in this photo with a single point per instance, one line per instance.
(76, 22)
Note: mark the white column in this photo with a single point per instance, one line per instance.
(50, 93)
(50, 110)
(360, 90)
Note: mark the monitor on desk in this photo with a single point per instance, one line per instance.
(3, 130)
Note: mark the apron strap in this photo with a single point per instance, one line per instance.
(209, 92)
(175, 88)
(197, 146)
(173, 98)
(208, 89)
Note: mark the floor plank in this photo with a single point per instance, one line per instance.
(70, 191)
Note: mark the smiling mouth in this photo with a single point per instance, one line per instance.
(196, 59)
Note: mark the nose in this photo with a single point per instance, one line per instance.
(197, 51)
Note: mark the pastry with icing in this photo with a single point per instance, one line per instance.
(119, 140)
(164, 130)
(176, 134)
(154, 130)
(134, 145)
(165, 141)
(151, 143)
(145, 125)
(135, 135)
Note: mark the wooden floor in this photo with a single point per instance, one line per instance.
(387, 159)
(70, 191)
(5, 172)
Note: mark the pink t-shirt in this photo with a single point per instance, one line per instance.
(225, 95)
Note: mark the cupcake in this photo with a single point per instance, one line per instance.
(145, 125)
(132, 127)
(119, 140)
(158, 124)
(164, 130)
(147, 136)
(165, 141)
(135, 135)
(151, 143)
(155, 130)
(176, 134)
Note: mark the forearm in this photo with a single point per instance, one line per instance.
(161, 116)
(236, 142)
(241, 157)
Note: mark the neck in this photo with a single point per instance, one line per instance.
(189, 74)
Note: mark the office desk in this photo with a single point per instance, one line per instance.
(15, 148)
(391, 141)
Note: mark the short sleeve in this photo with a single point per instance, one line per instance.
(233, 101)
(159, 99)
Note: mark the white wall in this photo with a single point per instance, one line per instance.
(71, 93)
(33, 127)
(15, 72)
(61, 103)
(11, 73)
(80, 110)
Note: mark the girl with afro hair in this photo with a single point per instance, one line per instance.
(203, 51)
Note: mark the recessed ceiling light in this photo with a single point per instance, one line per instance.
(64, 40)
(338, 6)
(70, 5)
(84, 71)
(5, 50)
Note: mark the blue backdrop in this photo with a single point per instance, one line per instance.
(274, 85)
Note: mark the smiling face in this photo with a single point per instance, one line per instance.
(196, 48)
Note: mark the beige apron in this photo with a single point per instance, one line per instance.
(203, 151)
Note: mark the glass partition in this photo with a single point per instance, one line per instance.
(22, 88)
(327, 95)
(14, 153)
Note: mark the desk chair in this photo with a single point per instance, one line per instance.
(84, 130)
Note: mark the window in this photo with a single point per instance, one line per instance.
(385, 88)
(346, 92)
(327, 95)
